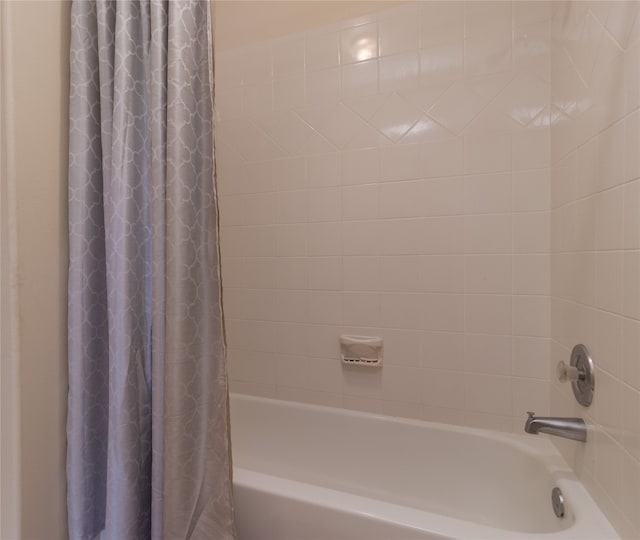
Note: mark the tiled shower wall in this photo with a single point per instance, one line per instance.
(389, 176)
(595, 232)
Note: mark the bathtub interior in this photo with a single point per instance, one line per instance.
(491, 479)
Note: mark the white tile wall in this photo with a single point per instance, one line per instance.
(390, 176)
(595, 227)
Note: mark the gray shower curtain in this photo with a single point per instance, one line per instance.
(148, 438)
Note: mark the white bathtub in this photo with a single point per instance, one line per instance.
(303, 472)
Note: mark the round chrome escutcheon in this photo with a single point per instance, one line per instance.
(585, 385)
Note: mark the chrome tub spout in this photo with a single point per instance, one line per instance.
(569, 428)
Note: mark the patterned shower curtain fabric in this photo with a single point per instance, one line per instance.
(148, 438)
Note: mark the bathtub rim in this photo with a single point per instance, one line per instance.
(589, 522)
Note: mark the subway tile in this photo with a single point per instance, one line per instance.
(291, 207)
(531, 274)
(610, 219)
(609, 407)
(631, 284)
(488, 53)
(292, 371)
(291, 306)
(259, 304)
(443, 235)
(407, 191)
(443, 350)
(609, 292)
(361, 308)
(324, 375)
(361, 237)
(630, 352)
(253, 367)
(442, 158)
(323, 170)
(531, 232)
(401, 346)
(531, 191)
(443, 389)
(488, 274)
(530, 395)
(425, 130)
(401, 310)
(359, 43)
(360, 166)
(233, 302)
(322, 51)
(528, 12)
(441, 63)
(288, 57)
(256, 209)
(358, 383)
(400, 163)
(443, 312)
(359, 80)
(488, 233)
(287, 174)
(325, 238)
(401, 237)
(530, 149)
(291, 240)
(325, 307)
(632, 76)
(324, 204)
(488, 354)
(400, 273)
(256, 64)
(400, 383)
(488, 393)
(631, 215)
(322, 88)
(440, 22)
(289, 93)
(631, 421)
(291, 338)
(587, 179)
(399, 72)
(457, 107)
(488, 193)
(488, 314)
(260, 272)
(530, 357)
(442, 273)
(323, 341)
(395, 117)
(531, 316)
(325, 273)
(421, 198)
(360, 202)
(399, 30)
(611, 156)
(292, 273)
(487, 153)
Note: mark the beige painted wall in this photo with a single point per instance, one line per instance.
(37, 75)
(255, 20)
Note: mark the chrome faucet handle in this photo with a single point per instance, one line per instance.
(531, 414)
(565, 372)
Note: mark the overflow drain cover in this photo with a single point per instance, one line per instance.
(557, 501)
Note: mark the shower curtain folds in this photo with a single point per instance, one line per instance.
(148, 442)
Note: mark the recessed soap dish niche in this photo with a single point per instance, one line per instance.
(361, 351)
